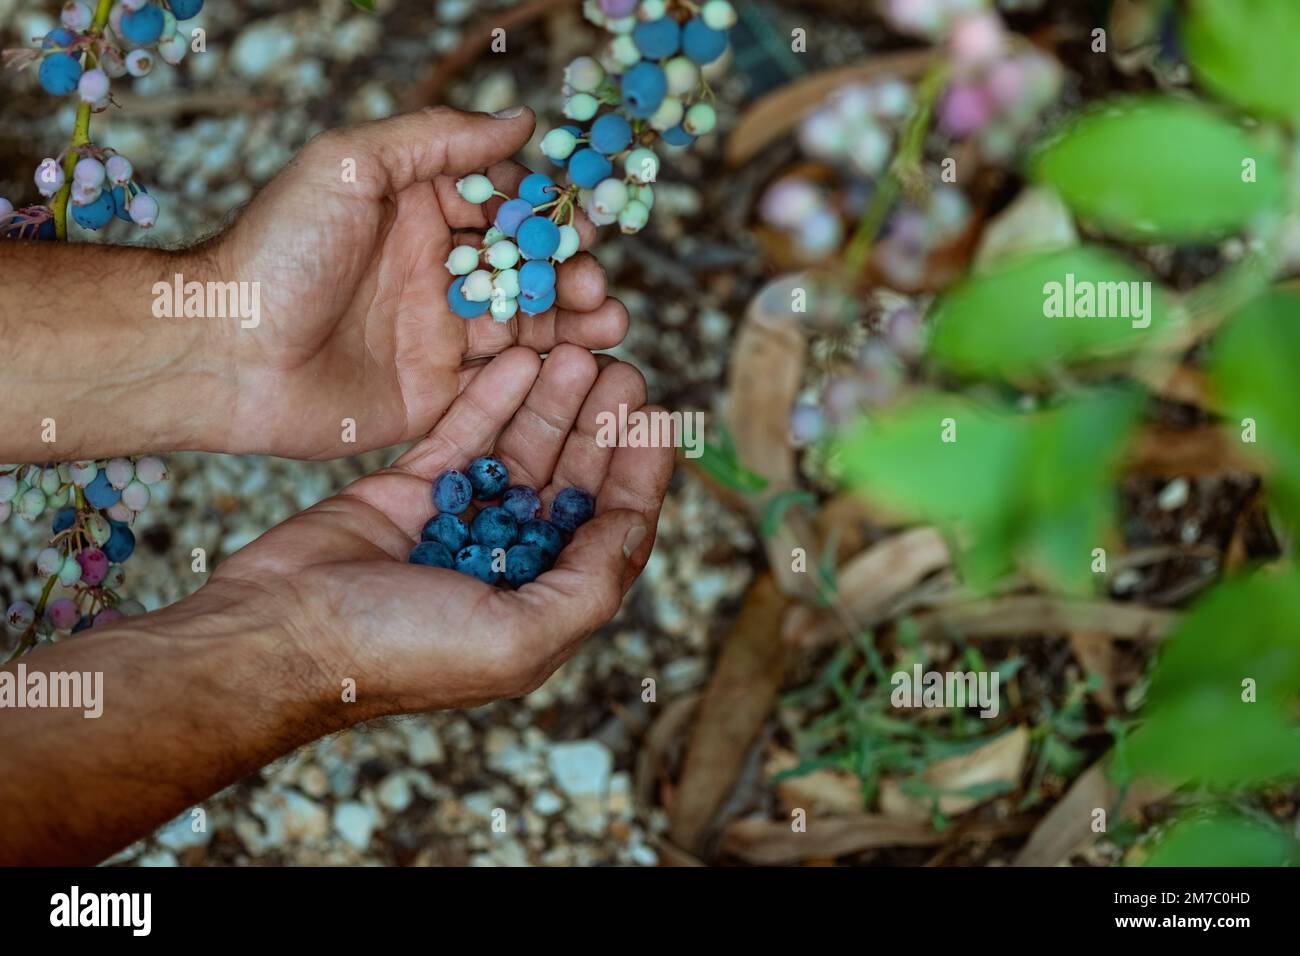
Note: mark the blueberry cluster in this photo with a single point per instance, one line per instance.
(103, 186)
(508, 541)
(94, 505)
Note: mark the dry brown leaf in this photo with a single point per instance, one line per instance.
(774, 842)
(772, 117)
(1096, 655)
(1027, 614)
(999, 760)
(1186, 452)
(738, 700)
(823, 793)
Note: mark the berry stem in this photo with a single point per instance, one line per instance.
(80, 134)
(28, 639)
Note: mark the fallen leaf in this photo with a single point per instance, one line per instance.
(774, 842)
(1030, 614)
(822, 793)
(1000, 761)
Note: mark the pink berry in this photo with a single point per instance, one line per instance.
(62, 613)
(94, 566)
(20, 615)
(107, 616)
(965, 110)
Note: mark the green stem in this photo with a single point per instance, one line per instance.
(29, 636)
(80, 133)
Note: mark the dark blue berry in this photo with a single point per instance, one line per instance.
(644, 89)
(544, 535)
(59, 74)
(538, 238)
(58, 39)
(64, 519)
(524, 563)
(522, 502)
(97, 214)
(512, 214)
(463, 306)
(488, 476)
(587, 167)
(494, 528)
(100, 494)
(657, 39)
(431, 554)
(82, 624)
(677, 136)
(535, 189)
(477, 561)
(143, 26)
(536, 306)
(447, 530)
(572, 508)
(702, 43)
(536, 279)
(185, 9)
(611, 134)
(452, 492)
(121, 543)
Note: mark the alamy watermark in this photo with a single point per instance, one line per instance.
(75, 908)
(658, 429)
(78, 690)
(1085, 299)
(208, 300)
(948, 689)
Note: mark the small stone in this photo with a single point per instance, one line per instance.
(304, 818)
(1173, 495)
(422, 744)
(355, 822)
(394, 792)
(547, 803)
(261, 48)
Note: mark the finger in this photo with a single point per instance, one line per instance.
(392, 154)
(532, 442)
(637, 480)
(463, 214)
(602, 328)
(590, 446)
(580, 284)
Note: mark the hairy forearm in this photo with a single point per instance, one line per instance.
(88, 370)
(193, 699)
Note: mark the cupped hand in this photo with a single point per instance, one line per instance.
(414, 638)
(348, 245)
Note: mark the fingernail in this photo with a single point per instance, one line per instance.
(633, 540)
(510, 113)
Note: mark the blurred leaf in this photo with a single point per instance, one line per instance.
(1197, 726)
(1224, 840)
(775, 508)
(1253, 365)
(997, 323)
(722, 465)
(1157, 168)
(366, 5)
(1245, 51)
(1011, 487)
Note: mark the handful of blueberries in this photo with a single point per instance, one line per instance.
(507, 541)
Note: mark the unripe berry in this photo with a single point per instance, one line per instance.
(62, 613)
(634, 217)
(139, 62)
(50, 481)
(83, 473)
(475, 188)
(69, 572)
(144, 210)
(683, 76)
(94, 565)
(581, 107)
(118, 169)
(644, 193)
(130, 6)
(6, 509)
(506, 284)
(108, 616)
(869, 150)
(151, 470)
(463, 260)
(623, 50)
(119, 512)
(120, 471)
(618, 8)
(173, 48)
(478, 286)
(700, 119)
(93, 86)
(6, 209)
(32, 504)
(48, 562)
(559, 144)
(89, 171)
(642, 165)
(584, 75)
(671, 112)
(504, 309)
(20, 616)
(609, 197)
(136, 496)
(49, 177)
(113, 63)
(651, 10)
(83, 195)
(131, 607)
(569, 243)
(115, 578)
(76, 16)
(98, 529)
(503, 255)
(718, 15)
(8, 487)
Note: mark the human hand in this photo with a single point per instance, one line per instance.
(354, 320)
(335, 580)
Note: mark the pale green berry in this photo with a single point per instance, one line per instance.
(668, 115)
(624, 51)
(60, 497)
(8, 487)
(569, 242)
(136, 496)
(475, 188)
(506, 284)
(609, 197)
(151, 470)
(462, 261)
(98, 528)
(6, 509)
(115, 577)
(169, 24)
(581, 107)
(718, 15)
(50, 481)
(503, 255)
(633, 217)
(503, 308)
(493, 236)
(65, 473)
(48, 562)
(683, 76)
(83, 473)
(584, 75)
(559, 144)
(642, 165)
(120, 471)
(652, 9)
(644, 194)
(32, 504)
(700, 119)
(131, 607)
(478, 286)
(69, 572)
(621, 25)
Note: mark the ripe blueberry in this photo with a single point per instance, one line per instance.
(431, 554)
(522, 502)
(644, 88)
(494, 528)
(100, 494)
(538, 237)
(611, 134)
(588, 167)
(462, 306)
(477, 561)
(524, 563)
(447, 530)
(488, 477)
(657, 39)
(544, 535)
(535, 189)
(702, 43)
(571, 508)
(452, 492)
(121, 543)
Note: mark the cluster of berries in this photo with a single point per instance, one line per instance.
(103, 186)
(95, 503)
(645, 86)
(509, 541)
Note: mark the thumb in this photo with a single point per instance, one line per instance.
(586, 586)
(392, 154)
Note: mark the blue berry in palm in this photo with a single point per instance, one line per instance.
(64, 519)
(121, 543)
(463, 306)
(185, 9)
(611, 134)
(587, 168)
(536, 280)
(572, 508)
(677, 136)
(644, 89)
(537, 306)
(522, 502)
(537, 189)
(701, 42)
(143, 26)
(488, 476)
(447, 530)
(100, 494)
(477, 561)
(494, 528)
(97, 214)
(544, 535)
(452, 492)
(58, 39)
(59, 74)
(538, 238)
(432, 554)
(512, 214)
(657, 39)
(524, 563)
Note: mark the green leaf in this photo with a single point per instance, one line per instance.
(366, 5)
(1224, 840)
(1015, 321)
(1010, 487)
(1253, 365)
(775, 508)
(723, 466)
(1156, 168)
(1245, 51)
